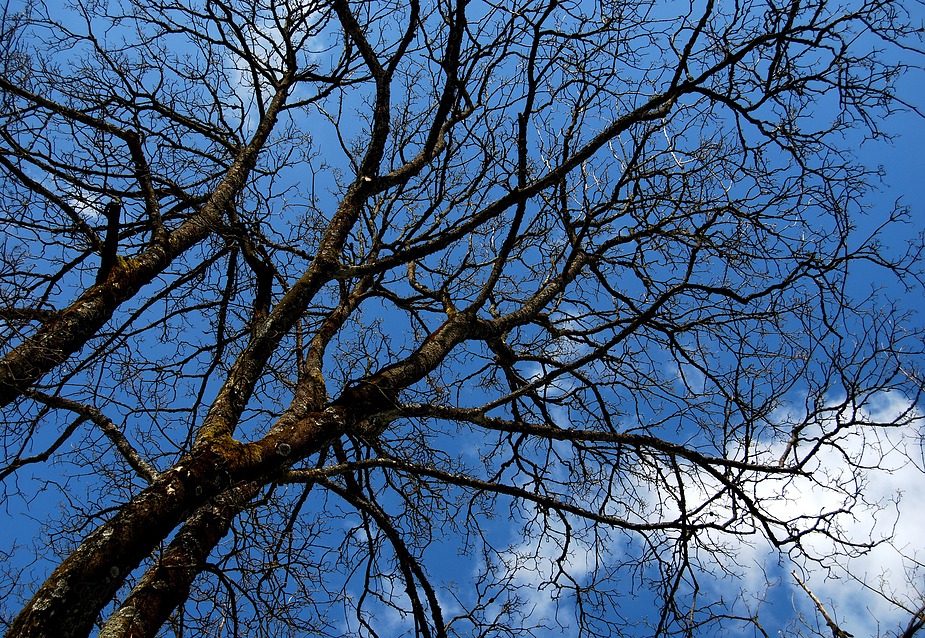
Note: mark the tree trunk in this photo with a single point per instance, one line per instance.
(69, 602)
(166, 584)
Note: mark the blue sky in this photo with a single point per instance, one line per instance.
(905, 179)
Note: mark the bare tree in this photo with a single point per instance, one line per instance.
(310, 308)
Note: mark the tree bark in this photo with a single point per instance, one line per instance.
(71, 599)
(166, 584)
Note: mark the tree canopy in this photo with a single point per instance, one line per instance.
(448, 317)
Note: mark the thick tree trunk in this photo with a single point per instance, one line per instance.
(69, 602)
(166, 584)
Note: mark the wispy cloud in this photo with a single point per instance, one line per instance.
(539, 572)
(869, 555)
(865, 483)
(888, 512)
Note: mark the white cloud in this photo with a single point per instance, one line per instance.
(846, 580)
(85, 204)
(540, 571)
(867, 480)
(267, 45)
(889, 511)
